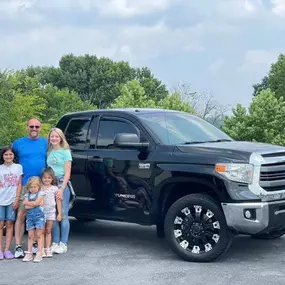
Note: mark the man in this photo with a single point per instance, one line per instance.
(31, 152)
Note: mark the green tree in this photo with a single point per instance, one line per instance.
(175, 102)
(133, 96)
(261, 86)
(23, 97)
(264, 121)
(98, 80)
(153, 87)
(275, 80)
(15, 114)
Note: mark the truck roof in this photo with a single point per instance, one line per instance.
(133, 111)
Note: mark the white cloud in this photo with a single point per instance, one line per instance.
(278, 7)
(239, 8)
(249, 6)
(119, 8)
(255, 60)
(130, 8)
(46, 45)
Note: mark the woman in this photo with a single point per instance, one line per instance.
(59, 159)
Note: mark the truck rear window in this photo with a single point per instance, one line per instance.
(76, 132)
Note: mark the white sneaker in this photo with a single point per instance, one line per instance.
(54, 246)
(19, 253)
(62, 248)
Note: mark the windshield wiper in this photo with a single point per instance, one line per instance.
(219, 140)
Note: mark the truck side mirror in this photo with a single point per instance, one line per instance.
(124, 140)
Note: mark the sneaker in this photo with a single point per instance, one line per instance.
(48, 252)
(19, 253)
(28, 257)
(1, 255)
(54, 246)
(35, 247)
(8, 254)
(44, 253)
(62, 248)
(38, 257)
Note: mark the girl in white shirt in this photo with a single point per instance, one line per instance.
(10, 190)
(52, 206)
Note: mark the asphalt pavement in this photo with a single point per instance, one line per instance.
(104, 252)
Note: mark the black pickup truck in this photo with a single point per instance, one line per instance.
(178, 172)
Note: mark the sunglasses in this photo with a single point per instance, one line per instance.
(34, 127)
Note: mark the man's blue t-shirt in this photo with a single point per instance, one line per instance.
(32, 155)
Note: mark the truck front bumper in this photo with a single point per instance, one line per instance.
(255, 217)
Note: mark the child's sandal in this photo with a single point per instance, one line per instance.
(28, 256)
(38, 257)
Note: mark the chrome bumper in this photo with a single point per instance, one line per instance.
(267, 215)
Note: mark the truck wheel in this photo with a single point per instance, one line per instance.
(196, 229)
(83, 219)
(271, 235)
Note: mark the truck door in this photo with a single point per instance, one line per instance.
(76, 134)
(120, 178)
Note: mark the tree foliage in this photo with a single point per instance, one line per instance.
(275, 80)
(23, 97)
(174, 101)
(264, 121)
(98, 80)
(133, 95)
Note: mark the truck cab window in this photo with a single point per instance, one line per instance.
(76, 133)
(108, 128)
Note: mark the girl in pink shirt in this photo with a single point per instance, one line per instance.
(51, 204)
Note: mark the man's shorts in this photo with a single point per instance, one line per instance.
(21, 201)
(7, 213)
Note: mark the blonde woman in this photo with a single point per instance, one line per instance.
(59, 159)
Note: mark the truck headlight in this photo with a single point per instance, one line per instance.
(236, 172)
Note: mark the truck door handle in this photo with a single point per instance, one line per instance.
(97, 158)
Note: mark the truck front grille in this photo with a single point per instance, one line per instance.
(272, 176)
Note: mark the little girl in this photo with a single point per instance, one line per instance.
(10, 190)
(50, 190)
(35, 221)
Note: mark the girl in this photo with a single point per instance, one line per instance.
(50, 190)
(10, 190)
(59, 159)
(35, 220)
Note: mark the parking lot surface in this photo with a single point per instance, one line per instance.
(104, 252)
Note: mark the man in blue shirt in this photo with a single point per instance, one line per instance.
(32, 153)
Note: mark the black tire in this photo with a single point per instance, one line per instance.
(270, 235)
(207, 234)
(84, 219)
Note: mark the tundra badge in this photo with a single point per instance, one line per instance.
(144, 165)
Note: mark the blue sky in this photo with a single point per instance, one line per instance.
(221, 47)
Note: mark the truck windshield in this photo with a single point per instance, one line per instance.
(181, 128)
